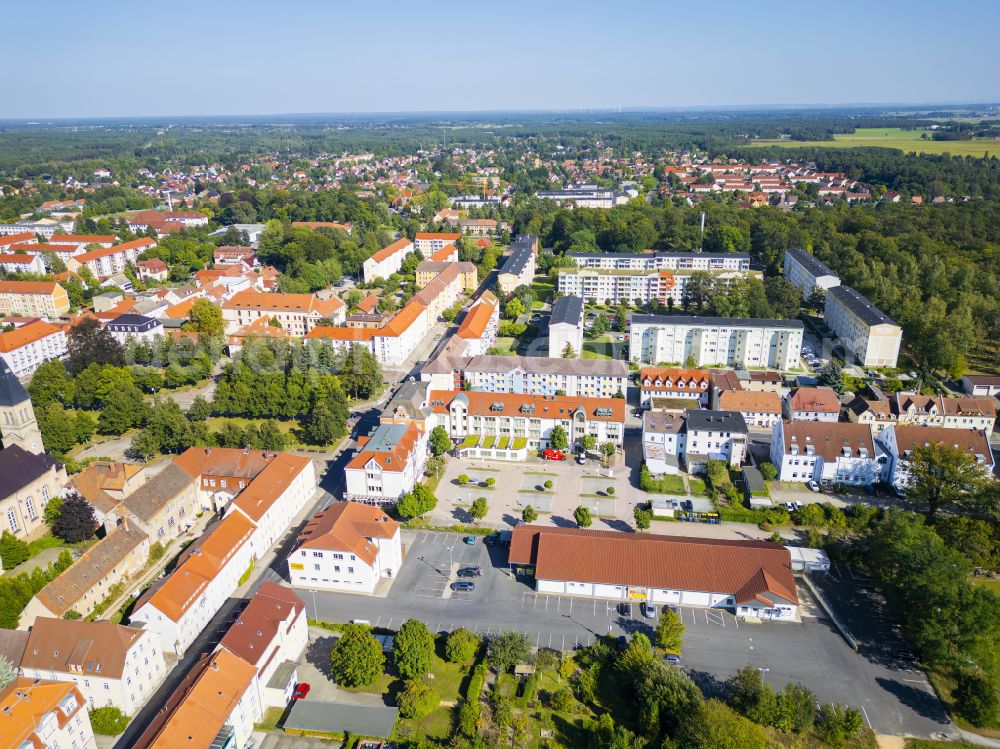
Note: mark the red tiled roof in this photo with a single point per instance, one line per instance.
(347, 526)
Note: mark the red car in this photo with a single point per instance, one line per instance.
(550, 454)
(300, 692)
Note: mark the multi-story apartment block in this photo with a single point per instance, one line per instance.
(393, 343)
(979, 414)
(718, 341)
(540, 375)
(348, 546)
(429, 270)
(899, 441)
(827, 453)
(430, 242)
(162, 507)
(110, 664)
(583, 196)
(674, 261)
(33, 299)
(806, 273)
(530, 417)
(714, 435)
(108, 261)
(27, 347)
(44, 715)
(566, 328)
(19, 262)
(215, 705)
(131, 325)
(296, 313)
(519, 267)
(478, 329)
(386, 261)
(387, 465)
(865, 332)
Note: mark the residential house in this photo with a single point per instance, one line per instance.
(19, 262)
(659, 384)
(428, 243)
(133, 326)
(899, 441)
(825, 452)
(428, 270)
(759, 409)
(348, 546)
(112, 665)
(153, 270)
(44, 715)
(479, 327)
(714, 435)
(812, 404)
(866, 333)
(295, 313)
(386, 261)
(519, 267)
(566, 328)
(109, 261)
(663, 438)
(978, 413)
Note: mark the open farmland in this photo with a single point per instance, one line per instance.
(894, 137)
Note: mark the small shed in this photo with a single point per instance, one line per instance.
(665, 506)
(808, 560)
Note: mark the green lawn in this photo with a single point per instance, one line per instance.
(506, 346)
(543, 287)
(986, 582)
(697, 485)
(894, 137)
(289, 427)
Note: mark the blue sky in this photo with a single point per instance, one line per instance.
(118, 58)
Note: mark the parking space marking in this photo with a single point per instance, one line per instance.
(865, 713)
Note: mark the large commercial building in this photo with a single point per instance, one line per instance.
(348, 546)
(594, 378)
(866, 333)
(751, 578)
(715, 341)
(806, 273)
(387, 465)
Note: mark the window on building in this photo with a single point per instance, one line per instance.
(12, 519)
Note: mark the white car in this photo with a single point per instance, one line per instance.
(813, 486)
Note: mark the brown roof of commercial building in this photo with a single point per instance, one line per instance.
(655, 561)
(87, 648)
(254, 629)
(201, 704)
(347, 526)
(746, 401)
(828, 439)
(535, 406)
(822, 399)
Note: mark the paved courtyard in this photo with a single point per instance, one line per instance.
(892, 695)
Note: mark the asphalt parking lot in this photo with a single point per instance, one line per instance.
(891, 692)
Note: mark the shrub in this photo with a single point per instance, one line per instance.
(561, 700)
(463, 478)
(108, 721)
(768, 471)
(582, 516)
(506, 650)
(529, 514)
(976, 698)
(13, 550)
(156, 552)
(548, 484)
(479, 508)
(461, 646)
(417, 699)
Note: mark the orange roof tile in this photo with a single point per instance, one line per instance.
(399, 245)
(261, 493)
(546, 406)
(348, 526)
(403, 319)
(326, 332)
(475, 322)
(26, 334)
(28, 287)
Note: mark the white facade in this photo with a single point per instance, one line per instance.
(663, 442)
(813, 457)
(807, 273)
(633, 286)
(388, 466)
(898, 440)
(281, 511)
(661, 261)
(715, 341)
(22, 263)
(34, 351)
(864, 331)
(400, 337)
(44, 715)
(386, 261)
(590, 378)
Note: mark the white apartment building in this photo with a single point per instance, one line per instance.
(130, 325)
(387, 465)
(27, 347)
(715, 341)
(478, 329)
(45, 228)
(387, 261)
(806, 273)
(519, 267)
(111, 665)
(566, 327)
(348, 547)
(537, 375)
(583, 196)
(663, 437)
(21, 263)
(430, 242)
(979, 413)
(296, 313)
(179, 608)
(683, 261)
(865, 332)
(215, 705)
(633, 286)
(827, 453)
(529, 417)
(44, 715)
(899, 441)
(270, 634)
(109, 261)
(714, 435)
(393, 343)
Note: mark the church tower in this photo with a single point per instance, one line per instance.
(17, 418)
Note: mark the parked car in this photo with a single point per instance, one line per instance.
(813, 486)
(470, 572)
(798, 505)
(470, 540)
(301, 690)
(463, 585)
(790, 506)
(550, 454)
(625, 609)
(649, 610)
(492, 539)
(673, 659)
(581, 459)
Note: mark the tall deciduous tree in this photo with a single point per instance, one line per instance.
(413, 649)
(76, 520)
(204, 317)
(440, 442)
(670, 632)
(940, 476)
(89, 343)
(356, 659)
